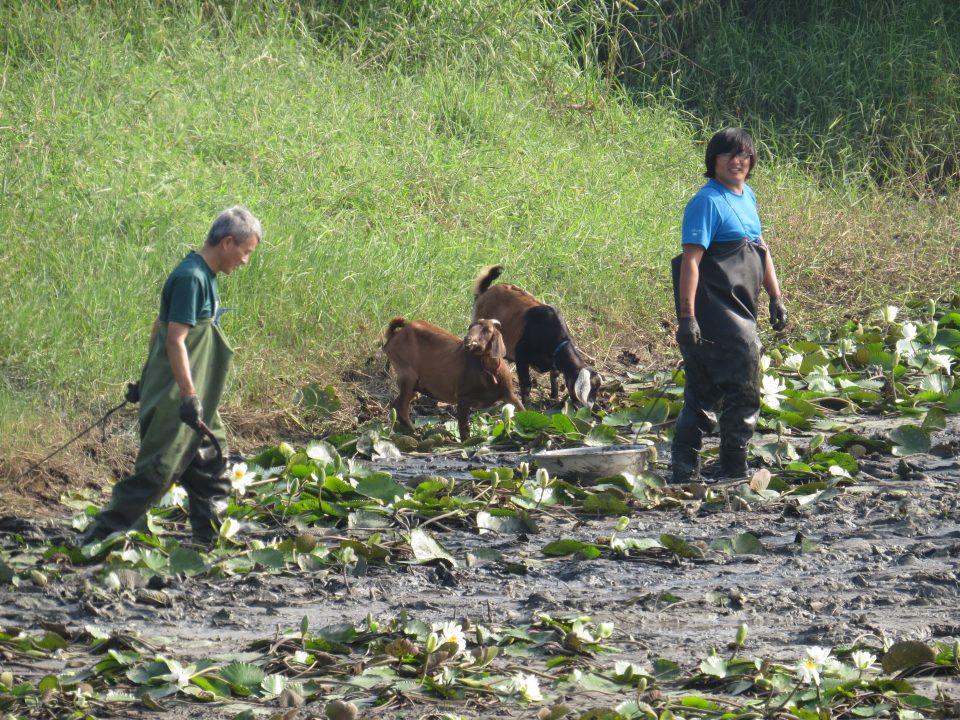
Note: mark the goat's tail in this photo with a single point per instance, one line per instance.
(395, 324)
(485, 278)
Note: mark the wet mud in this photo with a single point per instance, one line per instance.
(881, 559)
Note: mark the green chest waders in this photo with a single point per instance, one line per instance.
(722, 373)
(170, 451)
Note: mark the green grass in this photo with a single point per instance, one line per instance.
(388, 164)
(863, 92)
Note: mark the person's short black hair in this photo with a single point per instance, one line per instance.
(729, 140)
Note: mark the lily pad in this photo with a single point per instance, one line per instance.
(909, 440)
(907, 654)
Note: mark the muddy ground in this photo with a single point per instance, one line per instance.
(886, 564)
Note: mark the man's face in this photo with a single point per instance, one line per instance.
(237, 253)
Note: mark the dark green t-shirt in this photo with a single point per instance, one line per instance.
(190, 293)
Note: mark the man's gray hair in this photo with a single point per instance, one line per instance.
(236, 221)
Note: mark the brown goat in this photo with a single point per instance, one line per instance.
(536, 336)
(469, 372)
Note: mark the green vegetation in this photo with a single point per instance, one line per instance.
(862, 92)
(390, 153)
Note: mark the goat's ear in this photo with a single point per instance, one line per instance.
(497, 348)
(582, 387)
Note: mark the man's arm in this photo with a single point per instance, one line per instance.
(178, 357)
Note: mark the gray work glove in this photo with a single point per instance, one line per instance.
(778, 314)
(688, 332)
(191, 411)
(132, 395)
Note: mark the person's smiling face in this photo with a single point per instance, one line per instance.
(731, 169)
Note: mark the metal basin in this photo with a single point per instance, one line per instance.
(590, 463)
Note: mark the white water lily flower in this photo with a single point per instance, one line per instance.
(174, 497)
(808, 672)
(451, 632)
(821, 656)
(909, 331)
(940, 361)
(846, 346)
(527, 687)
(543, 477)
(793, 362)
(862, 660)
(112, 582)
(837, 471)
(764, 363)
(889, 313)
(507, 412)
(771, 390)
(229, 528)
(240, 478)
(580, 631)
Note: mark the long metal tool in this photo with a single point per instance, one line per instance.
(102, 421)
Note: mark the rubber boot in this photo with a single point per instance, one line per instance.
(686, 465)
(733, 464)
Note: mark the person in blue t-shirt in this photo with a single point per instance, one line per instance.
(717, 280)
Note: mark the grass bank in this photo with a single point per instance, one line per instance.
(388, 163)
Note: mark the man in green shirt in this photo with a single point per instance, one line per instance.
(181, 386)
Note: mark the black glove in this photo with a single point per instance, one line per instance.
(133, 393)
(778, 314)
(688, 332)
(191, 411)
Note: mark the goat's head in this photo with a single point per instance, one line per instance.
(586, 385)
(483, 338)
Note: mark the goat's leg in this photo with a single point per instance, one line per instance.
(523, 374)
(554, 389)
(463, 420)
(402, 402)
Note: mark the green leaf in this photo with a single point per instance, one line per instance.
(715, 666)
(426, 549)
(563, 424)
(909, 440)
(935, 419)
(184, 561)
(845, 460)
(680, 546)
(381, 486)
(268, 557)
(564, 547)
(605, 503)
(242, 675)
(600, 435)
(532, 420)
(317, 399)
(952, 402)
(506, 522)
(323, 453)
(6, 572)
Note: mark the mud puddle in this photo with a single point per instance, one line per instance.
(879, 560)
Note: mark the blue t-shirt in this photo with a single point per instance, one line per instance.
(190, 292)
(717, 214)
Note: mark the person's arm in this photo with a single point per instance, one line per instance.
(778, 311)
(689, 278)
(179, 359)
(770, 283)
(153, 335)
